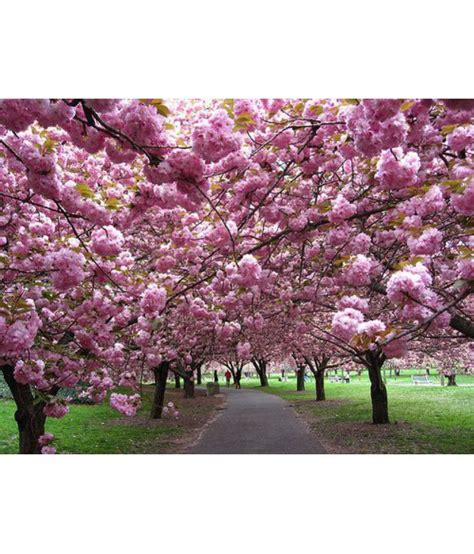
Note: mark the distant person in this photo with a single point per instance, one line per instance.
(227, 376)
(347, 377)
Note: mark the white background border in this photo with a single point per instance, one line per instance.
(235, 504)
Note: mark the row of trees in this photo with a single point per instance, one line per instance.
(139, 237)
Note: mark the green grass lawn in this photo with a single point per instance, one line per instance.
(426, 419)
(94, 429)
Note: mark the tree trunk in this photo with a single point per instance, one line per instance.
(189, 384)
(261, 368)
(263, 379)
(177, 381)
(216, 378)
(199, 374)
(300, 379)
(319, 379)
(452, 380)
(378, 391)
(161, 376)
(29, 414)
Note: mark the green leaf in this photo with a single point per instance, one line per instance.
(407, 105)
(112, 203)
(85, 190)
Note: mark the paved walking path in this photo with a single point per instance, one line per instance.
(255, 422)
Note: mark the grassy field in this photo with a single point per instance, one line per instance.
(425, 419)
(98, 429)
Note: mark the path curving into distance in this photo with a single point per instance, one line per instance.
(255, 422)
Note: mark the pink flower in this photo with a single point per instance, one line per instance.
(341, 209)
(56, 408)
(19, 336)
(346, 322)
(412, 281)
(249, 271)
(68, 267)
(371, 328)
(153, 300)
(45, 439)
(126, 405)
(165, 262)
(427, 243)
(358, 271)
(396, 348)
(465, 269)
(107, 241)
(464, 203)
(244, 350)
(461, 138)
(48, 450)
(355, 302)
(396, 171)
(213, 139)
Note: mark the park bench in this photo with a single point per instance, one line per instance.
(421, 380)
(335, 379)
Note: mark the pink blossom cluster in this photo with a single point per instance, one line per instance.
(465, 269)
(56, 408)
(396, 348)
(360, 244)
(461, 138)
(396, 170)
(355, 302)
(249, 271)
(42, 175)
(125, 404)
(45, 442)
(139, 121)
(375, 124)
(430, 203)
(341, 209)
(68, 269)
(371, 328)
(358, 271)
(464, 203)
(31, 372)
(411, 281)
(212, 139)
(345, 323)
(244, 350)
(107, 241)
(18, 336)
(227, 330)
(153, 300)
(18, 115)
(45, 439)
(164, 263)
(427, 243)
